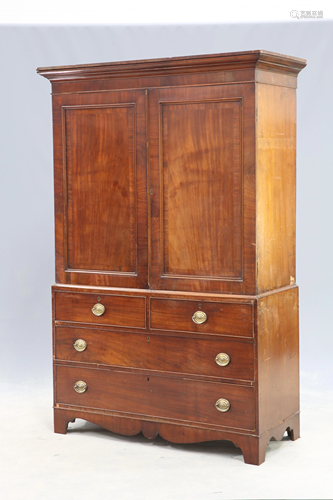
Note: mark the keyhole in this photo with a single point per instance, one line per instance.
(147, 379)
(199, 306)
(148, 338)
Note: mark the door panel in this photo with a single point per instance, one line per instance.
(100, 163)
(101, 197)
(201, 195)
(198, 165)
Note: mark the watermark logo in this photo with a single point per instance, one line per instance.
(307, 14)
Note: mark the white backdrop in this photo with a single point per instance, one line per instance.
(39, 464)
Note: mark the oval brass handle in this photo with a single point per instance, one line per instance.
(222, 405)
(199, 317)
(80, 386)
(222, 359)
(80, 345)
(98, 309)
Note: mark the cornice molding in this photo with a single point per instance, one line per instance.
(260, 59)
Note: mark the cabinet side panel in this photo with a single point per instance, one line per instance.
(278, 358)
(276, 186)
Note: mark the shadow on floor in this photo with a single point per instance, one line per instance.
(226, 448)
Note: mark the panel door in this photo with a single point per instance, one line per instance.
(202, 188)
(100, 188)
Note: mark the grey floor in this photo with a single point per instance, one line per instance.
(91, 463)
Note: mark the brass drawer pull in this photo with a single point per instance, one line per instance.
(80, 345)
(98, 309)
(222, 359)
(199, 317)
(222, 405)
(80, 386)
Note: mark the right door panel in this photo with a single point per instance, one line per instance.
(197, 179)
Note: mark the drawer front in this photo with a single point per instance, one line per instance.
(156, 396)
(156, 352)
(222, 318)
(120, 310)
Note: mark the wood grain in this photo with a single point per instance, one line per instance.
(201, 190)
(100, 158)
(175, 192)
(156, 352)
(223, 318)
(276, 186)
(100, 148)
(203, 200)
(278, 358)
(264, 60)
(121, 311)
(161, 397)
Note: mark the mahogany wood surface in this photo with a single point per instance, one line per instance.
(175, 184)
(197, 296)
(100, 156)
(124, 311)
(156, 352)
(201, 166)
(203, 192)
(159, 396)
(276, 186)
(100, 148)
(249, 66)
(222, 317)
(278, 358)
(223, 77)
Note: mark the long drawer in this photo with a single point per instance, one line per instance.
(156, 396)
(219, 358)
(221, 318)
(119, 310)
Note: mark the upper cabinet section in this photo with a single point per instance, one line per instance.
(177, 174)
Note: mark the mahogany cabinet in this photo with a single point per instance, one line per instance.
(175, 308)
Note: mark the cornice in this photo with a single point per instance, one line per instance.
(260, 59)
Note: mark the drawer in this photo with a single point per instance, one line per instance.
(223, 318)
(157, 396)
(156, 352)
(120, 310)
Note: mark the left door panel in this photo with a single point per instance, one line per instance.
(101, 188)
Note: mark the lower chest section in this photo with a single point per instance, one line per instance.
(186, 360)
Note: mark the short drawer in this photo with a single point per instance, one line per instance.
(222, 318)
(119, 310)
(156, 396)
(216, 358)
